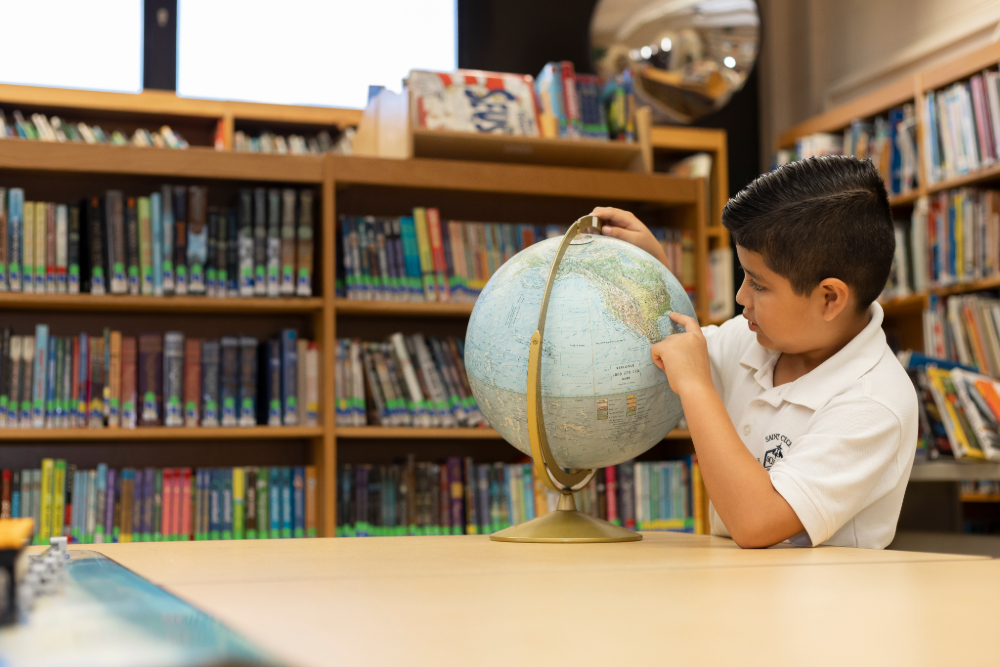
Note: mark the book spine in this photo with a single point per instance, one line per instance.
(150, 379)
(215, 485)
(210, 383)
(250, 504)
(58, 498)
(168, 236)
(222, 250)
(274, 382)
(311, 491)
(156, 240)
(288, 244)
(73, 274)
(230, 380)
(248, 381)
(15, 239)
(132, 241)
(114, 231)
(274, 507)
(115, 381)
(286, 502)
(274, 243)
(289, 377)
(303, 280)
(260, 241)
(28, 248)
(186, 503)
(197, 241)
(39, 392)
(426, 257)
(45, 248)
(192, 381)
(181, 212)
(61, 249)
(298, 528)
(212, 254)
(263, 504)
(173, 378)
(226, 502)
(147, 281)
(129, 390)
(4, 245)
(245, 242)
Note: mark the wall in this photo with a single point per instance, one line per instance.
(820, 53)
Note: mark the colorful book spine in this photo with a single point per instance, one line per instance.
(274, 242)
(288, 244)
(15, 236)
(425, 255)
(197, 241)
(248, 381)
(147, 270)
(168, 235)
(61, 271)
(181, 219)
(173, 378)
(210, 358)
(304, 254)
(132, 243)
(192, 381)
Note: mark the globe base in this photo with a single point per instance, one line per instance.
(566, 525)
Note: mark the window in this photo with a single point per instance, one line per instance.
(323, 53)
(95, 45)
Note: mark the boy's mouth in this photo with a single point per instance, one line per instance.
(751, 323)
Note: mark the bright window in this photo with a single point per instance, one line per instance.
(96, 45)
(323, 53)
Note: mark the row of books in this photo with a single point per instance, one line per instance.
(964, 329)
(559, 104)
(459, 497)
(889, 141)
(421, 258)
(169, 242)
(980, 487)
(581, 106)
(118, 381)
(959, 410)
(103, 505)
(963, 127)
(405, 381)
(38, 127)
(293, 144)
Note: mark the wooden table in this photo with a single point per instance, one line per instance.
(670, 599)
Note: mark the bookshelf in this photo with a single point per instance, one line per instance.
(462, 189)
(939, 480)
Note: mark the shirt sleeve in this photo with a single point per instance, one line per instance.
(846, 461)
(725, 346)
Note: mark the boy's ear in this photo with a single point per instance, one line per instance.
(835, 293)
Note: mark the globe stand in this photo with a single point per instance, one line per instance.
(566, 524)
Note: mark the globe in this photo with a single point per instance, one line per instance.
(604, 401)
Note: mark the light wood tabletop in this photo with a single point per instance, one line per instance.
(671, 598)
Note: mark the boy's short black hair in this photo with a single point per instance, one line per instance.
(823, 217)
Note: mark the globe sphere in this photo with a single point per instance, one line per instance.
(604, 401)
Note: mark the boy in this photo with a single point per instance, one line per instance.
(804, 422)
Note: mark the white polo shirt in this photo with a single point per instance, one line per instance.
(838, 442)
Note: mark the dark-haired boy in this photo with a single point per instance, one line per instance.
(804, 423)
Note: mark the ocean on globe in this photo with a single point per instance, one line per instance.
(603, 399)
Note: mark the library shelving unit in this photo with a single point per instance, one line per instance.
(351, 185)
(903, 316)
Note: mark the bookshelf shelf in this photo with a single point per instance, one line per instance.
(953, 471)
(533, 150)
(913, 304)
(978, 176)
(194, 162)
(160, 433)
(980, 498)
(905, 199)
(591, 184)
(402, 308)
(388, 432)
(153, 304)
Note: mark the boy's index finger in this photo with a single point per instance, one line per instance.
(689, 323)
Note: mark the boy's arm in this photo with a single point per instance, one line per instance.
(755, 514)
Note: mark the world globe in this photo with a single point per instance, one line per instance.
(604, 401)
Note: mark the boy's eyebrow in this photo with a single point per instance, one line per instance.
(750, 273)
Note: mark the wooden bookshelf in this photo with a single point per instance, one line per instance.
(953, 471)
(463, 189)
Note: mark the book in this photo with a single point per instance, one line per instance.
(129, 388)
(156, 225)
(192, 381)
(197, 238)
(74, 267)
(132, 252)
(181, 219)
(245, 242)
(147, 282)
(288, 243)
(151, 379)
(274, 220)
(229, 380)
(173, 378)
(248, 381)
(474, 101)
(210, 377)
(260, 202)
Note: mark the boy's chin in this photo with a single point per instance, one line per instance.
(765, 342)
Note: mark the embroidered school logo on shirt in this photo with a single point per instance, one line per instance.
(772, 455)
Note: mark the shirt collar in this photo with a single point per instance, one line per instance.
(816, 387)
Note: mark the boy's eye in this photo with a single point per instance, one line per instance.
(754, 286)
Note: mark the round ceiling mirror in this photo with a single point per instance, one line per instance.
(686, 57)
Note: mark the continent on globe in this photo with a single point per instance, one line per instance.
(604, 401)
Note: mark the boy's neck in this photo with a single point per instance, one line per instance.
(790, 367)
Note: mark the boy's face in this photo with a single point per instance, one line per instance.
(783, 320)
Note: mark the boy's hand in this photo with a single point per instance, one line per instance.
(625, 226)
(684, 356)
